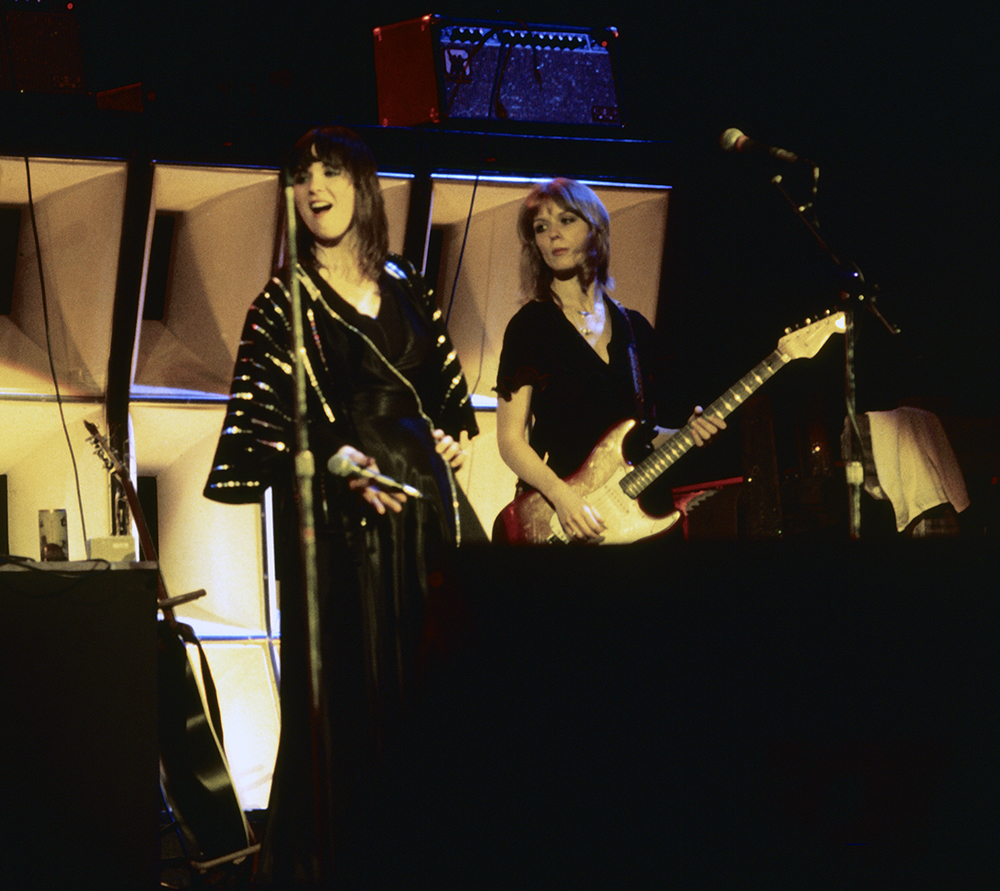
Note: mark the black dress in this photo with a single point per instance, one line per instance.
(577, 396)
(380, 385)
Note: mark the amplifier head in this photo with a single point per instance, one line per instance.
(433, 69)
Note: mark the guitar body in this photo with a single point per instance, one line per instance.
(531, 519)
(196, 777)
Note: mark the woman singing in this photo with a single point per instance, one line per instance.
(386, 393)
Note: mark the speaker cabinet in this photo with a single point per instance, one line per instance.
(78, 212)
(80, 790)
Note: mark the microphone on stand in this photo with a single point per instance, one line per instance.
(733, 140)
(340, 465)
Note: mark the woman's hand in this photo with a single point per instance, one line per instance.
(369, 490)
(703, 427)
(579, 520)
(449, 449)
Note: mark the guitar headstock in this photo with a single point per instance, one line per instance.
(103, 450)
(806, 341)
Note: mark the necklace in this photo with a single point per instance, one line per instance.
(584, 327)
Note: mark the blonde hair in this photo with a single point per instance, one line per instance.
(568, 194)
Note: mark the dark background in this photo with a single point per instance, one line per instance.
(895, 104)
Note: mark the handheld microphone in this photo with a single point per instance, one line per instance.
(340, 465)
(733, 140)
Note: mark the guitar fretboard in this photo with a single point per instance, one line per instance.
(663, 457)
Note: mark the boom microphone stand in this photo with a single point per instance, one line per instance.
(854, 292)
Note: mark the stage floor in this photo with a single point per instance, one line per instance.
(741, 715)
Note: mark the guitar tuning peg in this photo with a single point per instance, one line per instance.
(788, 330)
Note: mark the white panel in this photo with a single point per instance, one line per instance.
(50, 177)
(223, 251)
(485, 479)
(202, 544)
(226, 223)
(638, 230)
(487, 293)
(248, 702)
(78, 210)
(396, 193)
(36, 458)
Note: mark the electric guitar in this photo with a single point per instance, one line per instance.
(195, 775)
(611, 485)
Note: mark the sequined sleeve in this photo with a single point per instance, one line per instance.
(257, 439)
(450, 404)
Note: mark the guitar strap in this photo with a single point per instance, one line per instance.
(633, 358)
(185, 633)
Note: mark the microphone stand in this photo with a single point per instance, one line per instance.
(305, 471)
(853, 292)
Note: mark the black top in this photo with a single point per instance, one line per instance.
(576, 397)
(380, 385)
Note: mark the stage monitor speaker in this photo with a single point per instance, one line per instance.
(80, 802)
(432, 69)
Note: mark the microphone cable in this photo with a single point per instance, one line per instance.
(48, 346)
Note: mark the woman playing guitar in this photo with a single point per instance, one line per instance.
(574, 362)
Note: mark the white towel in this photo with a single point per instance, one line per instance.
(916, 464)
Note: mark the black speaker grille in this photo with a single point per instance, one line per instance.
(532, 75)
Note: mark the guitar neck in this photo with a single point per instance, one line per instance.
(118, 469)
(665, 455)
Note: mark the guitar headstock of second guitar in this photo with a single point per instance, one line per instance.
(808, 339)
(102, 449)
